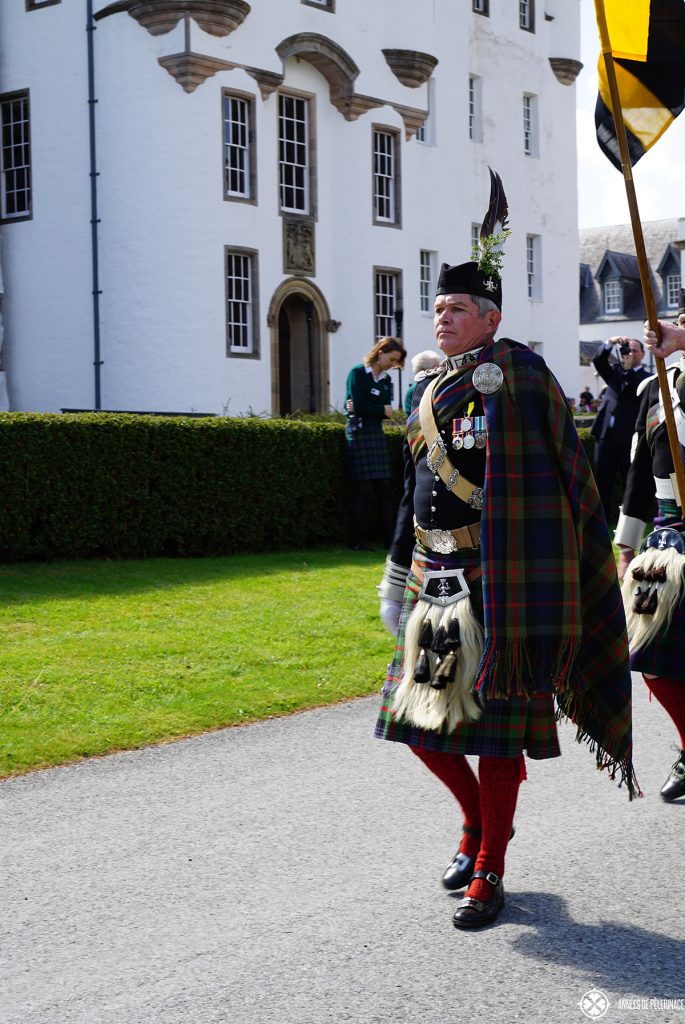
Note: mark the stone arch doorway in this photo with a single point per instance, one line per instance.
(300, 324)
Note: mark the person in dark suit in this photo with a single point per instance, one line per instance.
(615, 421)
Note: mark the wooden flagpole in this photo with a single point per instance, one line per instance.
(638, 237)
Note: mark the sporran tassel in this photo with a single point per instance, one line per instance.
(453, 657)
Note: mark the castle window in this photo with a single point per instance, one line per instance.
(15, 157)
(241, 303)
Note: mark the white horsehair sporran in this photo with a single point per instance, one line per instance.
(442, 651)
(653, 586)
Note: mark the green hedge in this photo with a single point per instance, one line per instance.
(135, 486)
(109, 485)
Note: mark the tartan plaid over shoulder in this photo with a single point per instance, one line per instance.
(553, 615)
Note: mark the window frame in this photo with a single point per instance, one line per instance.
(527, 15)
(252, 321)
(322, 5)
(427, 280)
(475, 237)
(250, 148)
(393, 195)
(534, 267)
(531, 132)
(309, 177)
(481, 7)
(616, 310)
(672, 293)
(394, 274)
(475, 108)
(22, 95)
(36, 5)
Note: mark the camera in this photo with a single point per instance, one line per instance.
(624, 348)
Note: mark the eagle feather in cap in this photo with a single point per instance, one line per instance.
(488, 253)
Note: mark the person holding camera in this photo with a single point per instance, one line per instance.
(615, 421)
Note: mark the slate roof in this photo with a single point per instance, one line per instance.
(616, 244)
(588, 350)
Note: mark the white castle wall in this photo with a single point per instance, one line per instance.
(164, 223)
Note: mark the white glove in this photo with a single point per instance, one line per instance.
(391, 592)
(390, 614)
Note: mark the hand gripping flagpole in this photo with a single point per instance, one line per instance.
(638, 237)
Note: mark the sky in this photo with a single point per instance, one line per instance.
(659, 176)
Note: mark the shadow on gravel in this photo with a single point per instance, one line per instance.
(620, 958)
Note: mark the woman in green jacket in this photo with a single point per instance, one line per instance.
(368, 401)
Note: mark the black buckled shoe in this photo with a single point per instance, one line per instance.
(472, 913)
(459, 871)
(674, 786)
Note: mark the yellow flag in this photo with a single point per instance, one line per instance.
(647, 41)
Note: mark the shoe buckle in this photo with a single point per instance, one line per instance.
(471, 901)
(492, 878)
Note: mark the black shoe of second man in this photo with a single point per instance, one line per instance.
(459, 871)
(674, 786)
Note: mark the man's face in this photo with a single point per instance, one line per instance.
(458, 327)
(634, 358)
(680, 322)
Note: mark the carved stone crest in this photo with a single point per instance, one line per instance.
(298, 246)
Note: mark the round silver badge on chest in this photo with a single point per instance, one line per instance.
(469, 441)
(487, 378)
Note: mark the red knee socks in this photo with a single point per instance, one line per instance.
(455, 772)
(671, 695)
(500, 778)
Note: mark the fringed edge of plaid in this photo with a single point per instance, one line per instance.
(568, 706)
(443, 648)
(520, 668)
(652, 588)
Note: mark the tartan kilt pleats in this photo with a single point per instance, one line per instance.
(368, 454)
(666, 655)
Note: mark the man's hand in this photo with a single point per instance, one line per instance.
(672, 339)
(625, 557)
(390, 614)
(391, 592)
(388, 411)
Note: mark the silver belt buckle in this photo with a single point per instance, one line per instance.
(441, 541)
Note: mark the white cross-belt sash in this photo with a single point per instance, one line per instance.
(437, 458)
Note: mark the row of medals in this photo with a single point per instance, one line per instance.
(468, 432)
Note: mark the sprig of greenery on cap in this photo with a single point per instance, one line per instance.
(488, 253)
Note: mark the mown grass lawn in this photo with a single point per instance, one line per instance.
(100, 656)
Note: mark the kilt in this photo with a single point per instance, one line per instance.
(666, 655)
(506, 728)
(367, 452)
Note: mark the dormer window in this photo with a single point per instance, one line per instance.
(618, 277)
(672, 291)
(612, 294)
(669, 272)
